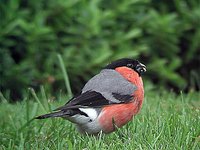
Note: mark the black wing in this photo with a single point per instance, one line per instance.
(93, 99)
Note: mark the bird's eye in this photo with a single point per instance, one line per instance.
(130, 65)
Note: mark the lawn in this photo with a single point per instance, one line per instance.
(166, 121)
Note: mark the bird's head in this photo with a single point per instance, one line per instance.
(127, 62)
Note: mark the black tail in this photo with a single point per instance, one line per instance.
(50, 115)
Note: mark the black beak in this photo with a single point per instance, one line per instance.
(141, 68)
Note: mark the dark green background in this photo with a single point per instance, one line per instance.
(164, 35)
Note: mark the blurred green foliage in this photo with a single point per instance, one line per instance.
(90, 33)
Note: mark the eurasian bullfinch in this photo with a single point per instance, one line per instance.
(108, 100)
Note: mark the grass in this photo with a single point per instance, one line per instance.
(166, 121)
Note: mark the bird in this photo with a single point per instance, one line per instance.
(108, 101)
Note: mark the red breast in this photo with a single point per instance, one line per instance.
(134, 78)
(120, 114)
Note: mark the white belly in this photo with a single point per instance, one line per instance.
(86, 124)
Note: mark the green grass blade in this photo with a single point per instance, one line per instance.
(45, 99)
(2, 98)
(66, 78)
(37, 99)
